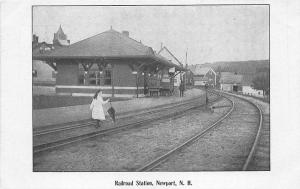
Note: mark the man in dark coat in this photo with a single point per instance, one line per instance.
(181, 88)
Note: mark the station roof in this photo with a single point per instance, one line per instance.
(110, 44)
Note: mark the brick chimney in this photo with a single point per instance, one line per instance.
(126, 33)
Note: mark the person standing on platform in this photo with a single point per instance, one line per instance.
(97, 107)
(181, 89)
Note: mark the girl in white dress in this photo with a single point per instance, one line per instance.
(97, 107)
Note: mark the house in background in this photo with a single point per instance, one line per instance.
(231, 82)
(43, 72)
(247, 87)
(203, 76)
(60, 39)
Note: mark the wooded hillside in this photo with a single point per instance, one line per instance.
(241, 67)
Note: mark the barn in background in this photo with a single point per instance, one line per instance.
(110, 61)
(231, 82)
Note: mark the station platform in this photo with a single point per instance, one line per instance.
(52, 116)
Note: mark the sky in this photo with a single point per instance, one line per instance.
(206, 33)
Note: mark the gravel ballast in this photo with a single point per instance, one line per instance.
(128, 150)
(223, 149)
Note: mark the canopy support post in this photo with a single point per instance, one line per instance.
(112, 80)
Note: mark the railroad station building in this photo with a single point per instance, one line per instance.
(110, 61)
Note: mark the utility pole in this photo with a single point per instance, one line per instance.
(206, 98)
(186, 56)
(185, 75)
(137, 85)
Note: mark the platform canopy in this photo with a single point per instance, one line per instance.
(109, 45)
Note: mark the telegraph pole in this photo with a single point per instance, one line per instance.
(206, 98)
(185, 78)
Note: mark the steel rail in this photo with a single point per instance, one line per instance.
(59, 143)
(89, 123)
(255, 144)
(257, 137)
(65, 128)
(149, 166)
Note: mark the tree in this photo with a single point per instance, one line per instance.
(262, 82)
(219, 69)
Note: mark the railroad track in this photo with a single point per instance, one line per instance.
(249, 159)
(256, 141)
(259, 156)
(190, 104)
(126, 115)
(260, 160)
(151, 165)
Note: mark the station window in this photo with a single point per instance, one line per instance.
(107, 77)
(94, 78)
(82, 80)
(89, 78)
